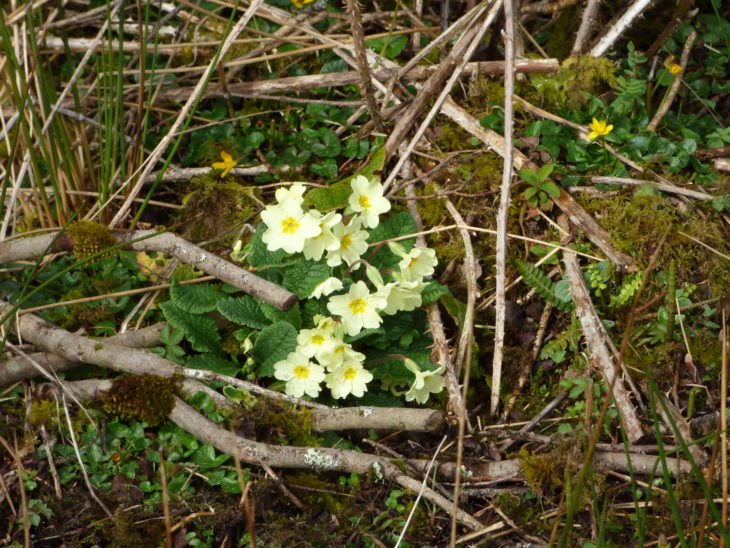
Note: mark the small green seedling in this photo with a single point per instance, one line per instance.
(540, 187)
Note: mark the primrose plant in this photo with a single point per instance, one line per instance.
(357, 296)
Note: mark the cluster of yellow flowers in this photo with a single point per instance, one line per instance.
(322, 355)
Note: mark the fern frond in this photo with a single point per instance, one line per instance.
(544, 286)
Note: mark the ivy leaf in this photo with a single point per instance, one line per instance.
(243, 311)
(274, 344)
(201, 331)
(305, 276)
(195, 299)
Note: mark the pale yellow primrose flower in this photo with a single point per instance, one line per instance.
(288, 227)
(403, 295)
(295, 193)
(358, 309)
(350, 378)
(418, 263)
(368, 200)
(426, 383)
(301, 375)
(352, 243)
(317, 341)
(315, 247)
(226, 165)
(330, 285)
(399, 295)
(340, 353)
(599, 128)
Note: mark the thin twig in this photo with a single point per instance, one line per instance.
(618, 28)
(504, 201)
(666, 104)
(587, 23)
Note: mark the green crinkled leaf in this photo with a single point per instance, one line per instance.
(260, 255)
(201, 331)
(311, 308)
(195, 299)
(305, 276)
(330, 197)
(243, 311)
(400, 224)
(292, 317)
(433, 292)
(335, 196)
(274, 344)
(213, 362)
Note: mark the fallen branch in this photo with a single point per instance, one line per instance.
(577, 215)
(595, 336)
(18, 368)
(48, 337)
(165, 242)
(408, 419)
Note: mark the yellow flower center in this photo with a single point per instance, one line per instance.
(345, 242)
(357, 306)
(318, 340)
(301, 372)
(289, 225)
(340, 349)
(364, 202)
(350, 374)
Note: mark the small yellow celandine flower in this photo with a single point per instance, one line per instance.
(299, 4)
(599, 128)
(671, 66)
(226, 165)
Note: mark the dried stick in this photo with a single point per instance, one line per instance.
(504, 201)
(466, 337)
(296, 84)
(587, 23)
(671, 189)
(18, 369)
(184, 112)
(165, 242)
(358, 42)
(595, 335)
(674, 88)
(615, 31)
(440, 350)
(547, 6)
(577, 215)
